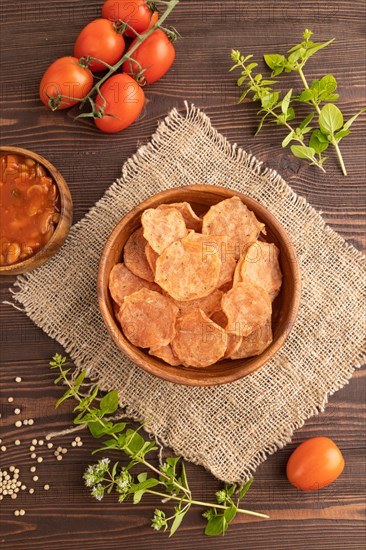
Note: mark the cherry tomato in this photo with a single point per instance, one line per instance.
(100, 39)
(65, 77)
(134, 12)
(124, 100)
(314, 464)
(156, 54)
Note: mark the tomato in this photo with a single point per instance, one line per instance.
(65, 77)
(156, 54)
(100, 39)
(125, 100)
(314, 464)
(134, 12)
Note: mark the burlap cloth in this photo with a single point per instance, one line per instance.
(228, 429)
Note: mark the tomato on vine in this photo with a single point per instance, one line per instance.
(100, 39)
(139, 14)
(314, 464)
(66, 81)
(156, 55)
(122, 99)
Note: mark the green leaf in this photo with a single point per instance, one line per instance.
(134, 442)
(251, 66)
(65, 396)
(286, 102)
(341, 134)
(243, 491)
(290, 114)
(229, 515)
(96, 429)
(302, 152)
(244, 95)
(79, 380)
(318, 141)
(315, 47)
(142, 477)
(306, 95)
(330, 119)
(287, 139)
(139, 489)
(306, 121)
(241, 80)
(215, 526)
(269, 100)
(274, 60)
(109, 403)
(352, 119)
(261, 122)
(327, 84)
(177, 521)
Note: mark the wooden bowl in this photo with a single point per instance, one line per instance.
(63, 226)
(285, 306)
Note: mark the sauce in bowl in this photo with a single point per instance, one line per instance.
(29, 208)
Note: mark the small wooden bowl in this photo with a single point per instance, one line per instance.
(63, 226)
(285, 307)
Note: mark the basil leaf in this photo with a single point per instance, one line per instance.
(109, 403)
(274, 60)
(352, 119)
(286, 102)
(243, 491)
(318, 141)
(330, 119)
(302, 152)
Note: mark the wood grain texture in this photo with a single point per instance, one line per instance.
(34, 34)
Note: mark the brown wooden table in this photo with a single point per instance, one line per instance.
(34, 33)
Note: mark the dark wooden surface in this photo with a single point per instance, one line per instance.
(33, 35)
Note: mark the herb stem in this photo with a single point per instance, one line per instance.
(306, 86)
(208, 505)
(333, 141)
(102, 423)
(339, 155)
(258, 91)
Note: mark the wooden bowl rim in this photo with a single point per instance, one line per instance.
(170, 373)
(64, 224)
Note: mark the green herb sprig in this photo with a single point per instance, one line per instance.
(168, 481)
(312, 141)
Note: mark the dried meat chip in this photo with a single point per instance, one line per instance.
(185, 273)
(209, 304)
(199, 342)
(247, 307)
(191, 219)
(231, 217)
(212, 244)
(148, 319)
(166, 354)
(135, 258)
(255, 343)
(261, 266)
(233, 340)
(122, 282)
(162, 227)
(151, 256)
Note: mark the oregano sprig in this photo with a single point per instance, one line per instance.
(331, 127)
(168, 481)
